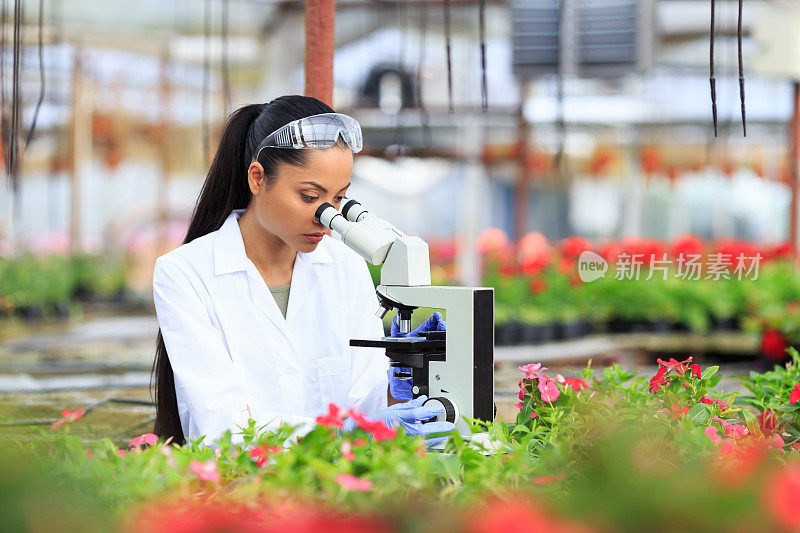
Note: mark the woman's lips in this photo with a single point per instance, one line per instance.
(313, 237)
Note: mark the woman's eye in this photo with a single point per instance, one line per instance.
(338, 198)
(308, 198)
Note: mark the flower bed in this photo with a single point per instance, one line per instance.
(607, 451)
(38, 286)
(540, 295)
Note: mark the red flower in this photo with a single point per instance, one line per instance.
(575, 384)
(794, 396)
(781, 496)
(773, 345)
(378, 428)
(491, 240)
(67, 416)
(508, 270)
(678, 411)
(573, 247)
(516, 515)
(714, 401)
(768, 422)
(538, 286)
(695, 371)
(659, 380)
(673, 363)
(686, 246)
(334, 417)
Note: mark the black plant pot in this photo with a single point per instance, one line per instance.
(660, 325)
(83, 294)
(531, 334)
(681, 327)
(725, 324)
(61, 310)
(619, 325)
(30, 313)
(548, 332)
(501, 334)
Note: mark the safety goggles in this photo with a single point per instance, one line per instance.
(316, 131)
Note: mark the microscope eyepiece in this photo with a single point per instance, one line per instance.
(321, 209)
(348, 205)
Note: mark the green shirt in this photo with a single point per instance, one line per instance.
(281, 295)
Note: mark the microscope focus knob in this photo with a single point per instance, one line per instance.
(450, 409)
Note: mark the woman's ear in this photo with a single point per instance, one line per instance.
(255, 176)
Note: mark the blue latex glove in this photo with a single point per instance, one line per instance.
(409, 415)
(433, 323)
(400, 389)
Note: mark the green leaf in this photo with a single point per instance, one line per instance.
(699, 415)
(708, 372)
(749, 420)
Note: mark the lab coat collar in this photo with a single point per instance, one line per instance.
(230, 255)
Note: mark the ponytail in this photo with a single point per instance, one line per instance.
(225, 189)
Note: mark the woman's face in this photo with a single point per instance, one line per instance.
(286, 209)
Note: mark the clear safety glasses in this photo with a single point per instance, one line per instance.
(316, 131)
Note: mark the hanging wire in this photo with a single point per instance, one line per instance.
(206, 78)
(561, 125)
(741, 70)
(41, 77)
(427, 138)
(3, 115)
(13, 154)
(482, 30)
(449, 56)
(226, 80)
(401, 62)
(711, 78)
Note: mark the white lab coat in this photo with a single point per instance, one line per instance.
(234, 355)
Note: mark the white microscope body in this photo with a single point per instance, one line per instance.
(460, 377)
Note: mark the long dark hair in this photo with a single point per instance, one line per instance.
(224, 190)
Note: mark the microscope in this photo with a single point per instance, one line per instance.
(453, 368)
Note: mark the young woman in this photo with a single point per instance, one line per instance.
(257, 307)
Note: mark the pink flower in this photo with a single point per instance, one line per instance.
(736, 431)
(532, 370)
(121, 453)
(726, 448)
(205, 471)
(534, 414)
(775, 442)
(518, 405)
(549, 389)
(794, 397)
(148, 439)
(67, 416)
(713, 434)
(261, 453)
(351, 482)
(781, 496)
(347, 450)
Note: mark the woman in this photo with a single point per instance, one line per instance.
(257, 307)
